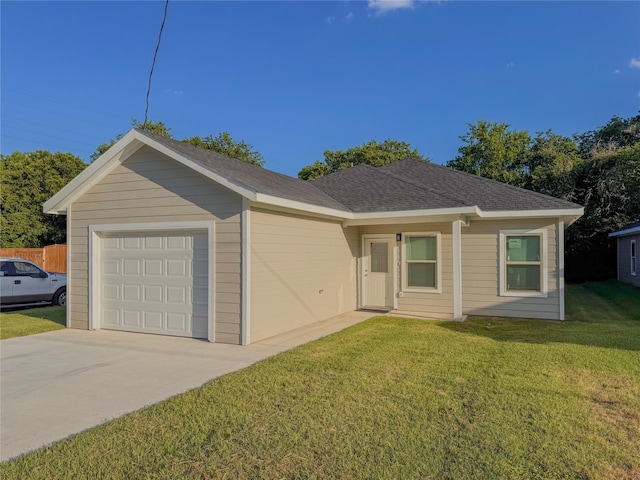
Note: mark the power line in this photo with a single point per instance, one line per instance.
(153, 64)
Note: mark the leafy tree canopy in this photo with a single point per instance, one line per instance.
(494, 151)
(549, 164)
(28, 180)
(371, 153)
(222, 143)
(618, 132)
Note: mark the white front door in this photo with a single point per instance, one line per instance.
(378, 272)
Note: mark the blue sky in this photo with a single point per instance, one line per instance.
(294, 79)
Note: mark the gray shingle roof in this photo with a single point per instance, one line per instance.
(370, 189)
(251, 177)
(409, 184)
(418, 184)
(489, 195)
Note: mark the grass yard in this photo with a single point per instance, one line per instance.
(398, 398)
(34, 320)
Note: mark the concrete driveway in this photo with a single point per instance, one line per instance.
(59, 383)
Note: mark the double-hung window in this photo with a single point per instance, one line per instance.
(421, 260)
(523, 263)
(633, 258)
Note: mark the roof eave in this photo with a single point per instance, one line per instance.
(568, 214)
(625, 232)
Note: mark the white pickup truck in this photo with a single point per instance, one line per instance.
(23, 282)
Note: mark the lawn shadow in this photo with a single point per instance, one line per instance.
(54, 314)
(603, 314)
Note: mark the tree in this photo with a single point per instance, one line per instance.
(224, 144)
(28, 180)
(371, 153)
(549, 165)
(494, 151)
(617, 132)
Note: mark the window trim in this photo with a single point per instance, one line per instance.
(405, 269)
(633, 259)
(544, 254)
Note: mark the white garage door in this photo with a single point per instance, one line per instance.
(155, 283)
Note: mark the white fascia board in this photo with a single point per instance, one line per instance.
(622, 233)
(560, 212)
(117, 154)
(91, 175)
(409, 216)
(302, 207)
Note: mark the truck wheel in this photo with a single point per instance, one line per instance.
(60, 297)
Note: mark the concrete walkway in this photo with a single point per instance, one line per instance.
(59, 383)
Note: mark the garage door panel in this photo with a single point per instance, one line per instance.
(131, 318)
(153, 293)
(153, 267)
(153, 243)
(131, 293)
(153, 320)
(156, 283)
(177, 267)
(132, 243)
(131, 266)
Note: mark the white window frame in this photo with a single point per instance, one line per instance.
(544, 253)
(633, 257)
(405, 269)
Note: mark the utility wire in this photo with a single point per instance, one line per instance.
(153, 64)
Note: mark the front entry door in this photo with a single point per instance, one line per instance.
(378, 273)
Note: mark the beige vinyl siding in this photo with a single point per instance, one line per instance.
(624, 260)
(437, 305)
(481, 265)
(303, 270)
(150, 188)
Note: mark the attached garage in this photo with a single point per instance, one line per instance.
(153, 278)
(155, 282)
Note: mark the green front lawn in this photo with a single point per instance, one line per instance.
(398, 398)
(34, 320)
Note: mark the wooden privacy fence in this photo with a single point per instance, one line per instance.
(52, 258)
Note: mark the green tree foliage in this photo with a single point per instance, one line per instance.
(618, 132)
(494, 151)
(28, 180)
(371, 153)
(224, 144)
(550, 161)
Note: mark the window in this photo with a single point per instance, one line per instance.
(379, 257)
(523, 263)
(421, 259)
(24, 269)
(633, 258)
